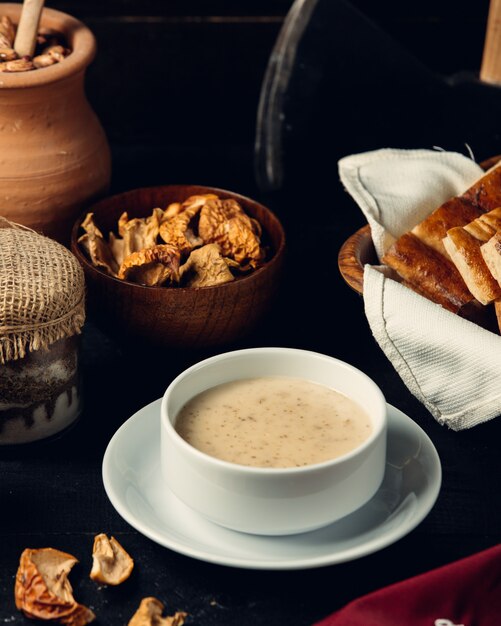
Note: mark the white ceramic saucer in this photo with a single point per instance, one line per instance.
(133, 483)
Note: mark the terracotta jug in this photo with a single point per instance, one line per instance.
(54, 155)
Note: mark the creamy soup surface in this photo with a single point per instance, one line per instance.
(273, 422)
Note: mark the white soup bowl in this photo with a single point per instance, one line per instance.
(273, 501)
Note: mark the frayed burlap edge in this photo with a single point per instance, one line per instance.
(16, 343)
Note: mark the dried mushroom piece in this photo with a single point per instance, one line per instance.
(43, 591)
(178, 224)
(150, 612)
(198, 201)
(178, 230)
(206, 266)
(225, 223)
(139, 233)
(96, 247)
(117, 248)
(172, 210)
(90, 226)
(152, 267)
(111, 564)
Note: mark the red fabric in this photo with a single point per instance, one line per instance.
(466, 593)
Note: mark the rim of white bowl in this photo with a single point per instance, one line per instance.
(249, 469)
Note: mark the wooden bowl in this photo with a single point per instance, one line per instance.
(358, 249)
(179, 317)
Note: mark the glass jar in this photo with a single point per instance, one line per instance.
(40, 394)
(42, 310)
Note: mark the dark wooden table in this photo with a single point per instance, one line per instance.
(52, 494)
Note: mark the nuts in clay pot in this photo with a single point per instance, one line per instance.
(150, 612)
(49, 130)
(111, 564)
(43, 591)
(49, 49)
(199, 242)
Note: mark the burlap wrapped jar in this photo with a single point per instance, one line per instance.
(41, 315)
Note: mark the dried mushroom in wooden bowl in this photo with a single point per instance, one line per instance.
(179, 266)
(201, 241)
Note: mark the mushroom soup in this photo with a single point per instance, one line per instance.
(273, 422)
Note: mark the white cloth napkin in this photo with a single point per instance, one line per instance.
(450, 364)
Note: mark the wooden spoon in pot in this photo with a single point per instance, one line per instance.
(27, 29)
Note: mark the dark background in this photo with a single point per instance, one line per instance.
(183, 77)
(176, 85)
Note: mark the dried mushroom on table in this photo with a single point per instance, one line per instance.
(43, 591)
(111, 563)
(150, 612)
(199, 242)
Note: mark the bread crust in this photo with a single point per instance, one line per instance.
(454, 212)
(485, 193)
(429, 272)
(485, 226)
(491, 253)
(464, 250)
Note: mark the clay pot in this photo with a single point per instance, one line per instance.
(54, 156)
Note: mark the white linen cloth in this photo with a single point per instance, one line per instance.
(450, 364)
